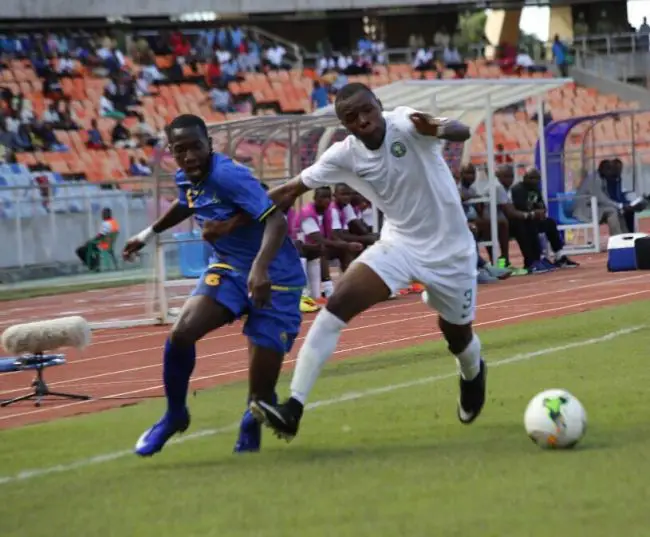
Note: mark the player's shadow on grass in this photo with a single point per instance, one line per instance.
(382, 362)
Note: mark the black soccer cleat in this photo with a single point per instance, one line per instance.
(284, 419)
(472, 396)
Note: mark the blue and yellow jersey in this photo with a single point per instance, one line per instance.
(228, 189)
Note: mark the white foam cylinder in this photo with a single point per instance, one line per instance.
(41, 336)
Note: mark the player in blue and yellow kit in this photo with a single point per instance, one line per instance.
(255, 271)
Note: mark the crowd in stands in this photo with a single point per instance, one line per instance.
(89, 99)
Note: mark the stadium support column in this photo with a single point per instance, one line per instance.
(502, 26)
(492, 179)
(560, 22)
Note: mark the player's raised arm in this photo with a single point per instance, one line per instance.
(176, 213)
(445, 129)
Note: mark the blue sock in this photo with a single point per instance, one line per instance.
(178, 365)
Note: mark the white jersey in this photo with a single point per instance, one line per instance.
(408, 180)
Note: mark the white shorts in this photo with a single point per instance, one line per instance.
(451, 288)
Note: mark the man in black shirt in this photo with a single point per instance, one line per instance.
(527, 197)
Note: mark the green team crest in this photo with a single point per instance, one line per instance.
(398, 149)
(553, 406)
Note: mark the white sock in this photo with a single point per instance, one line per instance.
(469, 361)
(328, 288)
(319, 345)
(313, 278)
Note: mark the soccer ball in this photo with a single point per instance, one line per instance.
(555, 419)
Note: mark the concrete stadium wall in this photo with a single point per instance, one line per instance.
(53, 238)
(60, 9)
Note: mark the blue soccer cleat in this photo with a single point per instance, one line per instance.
(155, 438)
(250, 435)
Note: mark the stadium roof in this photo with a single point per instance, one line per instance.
(465, 100)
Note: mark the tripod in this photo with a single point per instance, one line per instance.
(39, 362)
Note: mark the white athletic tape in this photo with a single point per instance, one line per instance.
(108, 457)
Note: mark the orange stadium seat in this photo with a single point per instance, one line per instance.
(287, 92)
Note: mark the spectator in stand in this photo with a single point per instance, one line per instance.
(213, 72)
(378, 52)
(275, 57)
(319, 96)
(501, 157)
(220, 98)
(138, 169)
(95, 140)
(65, 66)
(560, 53)
(343, 61)
(151, 72)
(143, 133)
(51, 115)
(7, 143)
(423, 60)
(325, 65)
(107, 108)
(121, 136)
(507, 57)
(451, 56)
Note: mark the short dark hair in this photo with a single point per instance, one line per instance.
(350, 90)
(323, 190)
(185, 121)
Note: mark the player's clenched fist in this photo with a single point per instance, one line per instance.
(132, 247)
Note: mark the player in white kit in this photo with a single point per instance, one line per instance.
(394, 159)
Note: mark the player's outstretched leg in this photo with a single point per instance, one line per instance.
(358, 289)
(200, 315)
(465, 345)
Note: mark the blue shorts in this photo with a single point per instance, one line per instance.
(273, 327)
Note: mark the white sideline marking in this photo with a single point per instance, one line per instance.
(351, 396)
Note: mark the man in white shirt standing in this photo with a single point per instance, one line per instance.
(393, 159)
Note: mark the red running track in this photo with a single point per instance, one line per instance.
(125, 365)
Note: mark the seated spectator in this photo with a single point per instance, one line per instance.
(319, 96)
(326, 64)
(95, 140)
(138, 168)
(317, 224)
(479, 213)
(610, 211)
(51, 115)
(66, 121)
(527, 199)
(89, 252)
(501, 157)
(121, 136)
(143, 133)
(213, 72)
(220, 98)
(353, 228)
(107, 108)
(275, 57)
(453, 60)
(423, 60)
(50, 141)
(343, 62)
(65, 66)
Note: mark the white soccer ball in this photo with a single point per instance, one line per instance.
(555, 419)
